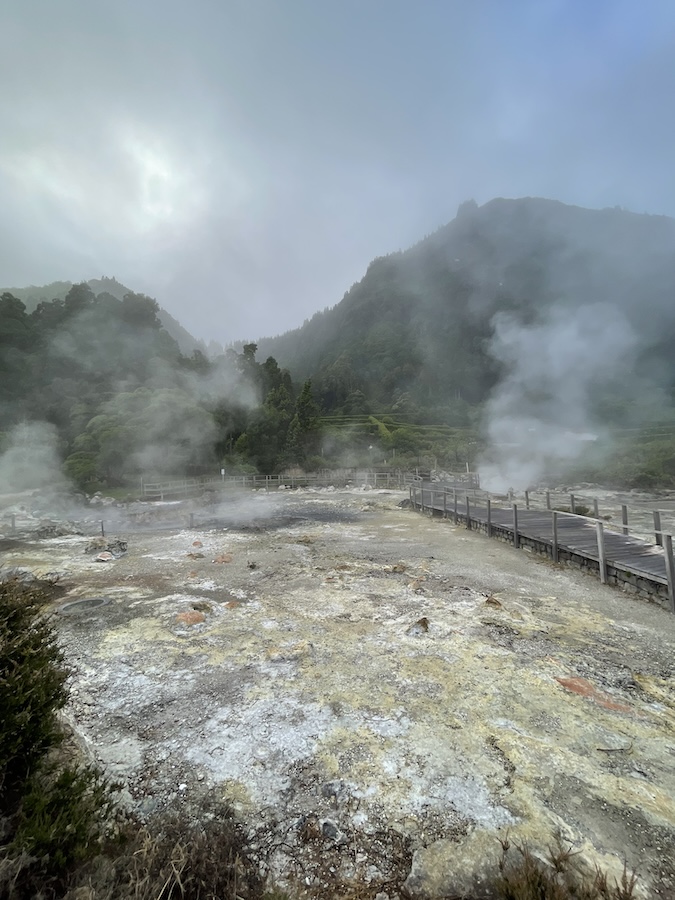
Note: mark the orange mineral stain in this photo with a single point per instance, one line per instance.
(585, 689)
(191, 618)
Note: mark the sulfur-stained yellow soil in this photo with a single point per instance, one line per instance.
(381, 695)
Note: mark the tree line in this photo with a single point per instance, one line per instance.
(123, 401)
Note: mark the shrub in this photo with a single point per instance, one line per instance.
(52, 814)
(33, 678)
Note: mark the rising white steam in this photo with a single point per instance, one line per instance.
(541, 414)
(31, 458)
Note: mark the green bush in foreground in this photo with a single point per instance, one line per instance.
(32, 685)
(52, 814)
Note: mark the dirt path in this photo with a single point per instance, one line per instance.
(381, 695)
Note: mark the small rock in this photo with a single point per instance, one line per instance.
(330, 830)
(106, 556)
(421, 626)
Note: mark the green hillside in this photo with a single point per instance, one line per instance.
(421, 322)
(32, 295)
(527, 337)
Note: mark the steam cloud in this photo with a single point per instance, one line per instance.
(541, 413)
(31, 459)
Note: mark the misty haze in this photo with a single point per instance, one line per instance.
(280, 285)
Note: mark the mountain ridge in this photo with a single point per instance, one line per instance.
(522, 259)
(32, 295)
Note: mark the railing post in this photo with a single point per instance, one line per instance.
(554, 543)
(489, 517)
(624, 518)
(573, 504)
(670, 569)
(468, 514)
(454, 496)
(445, 504)
(515, 526)
(548, 499)
(600, 533)
(527, 499)
(657, 528)
(422, 496)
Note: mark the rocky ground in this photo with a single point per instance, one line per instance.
(381, 696)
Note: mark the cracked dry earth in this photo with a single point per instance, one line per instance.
(381, 695)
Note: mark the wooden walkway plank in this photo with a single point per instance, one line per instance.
(576, 534)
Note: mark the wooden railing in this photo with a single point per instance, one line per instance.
(594, 538)
(190, 487)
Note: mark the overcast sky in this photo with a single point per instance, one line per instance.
(243, 160)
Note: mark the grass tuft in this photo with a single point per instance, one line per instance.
(523, 876)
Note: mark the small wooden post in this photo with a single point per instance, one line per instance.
(548, 499)
(515, 526)
(267, 483)
(527, 499)
(554, 544)
(670, 569)
(432, 505)
(454, 495)
(573, 504)
(600, 534)
(468, 513)
(657, 528)
(445, 504)
(422, 496)
(102, 529)
(596, 510)
(489, 517)
(624, 518)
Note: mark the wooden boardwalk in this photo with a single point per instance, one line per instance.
(556, 532)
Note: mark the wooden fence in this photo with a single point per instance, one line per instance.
(589, 541)
(190, 487)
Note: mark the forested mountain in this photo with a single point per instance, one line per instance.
(518, 335)
(97, 384)
(426, 326)
(33, 295)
